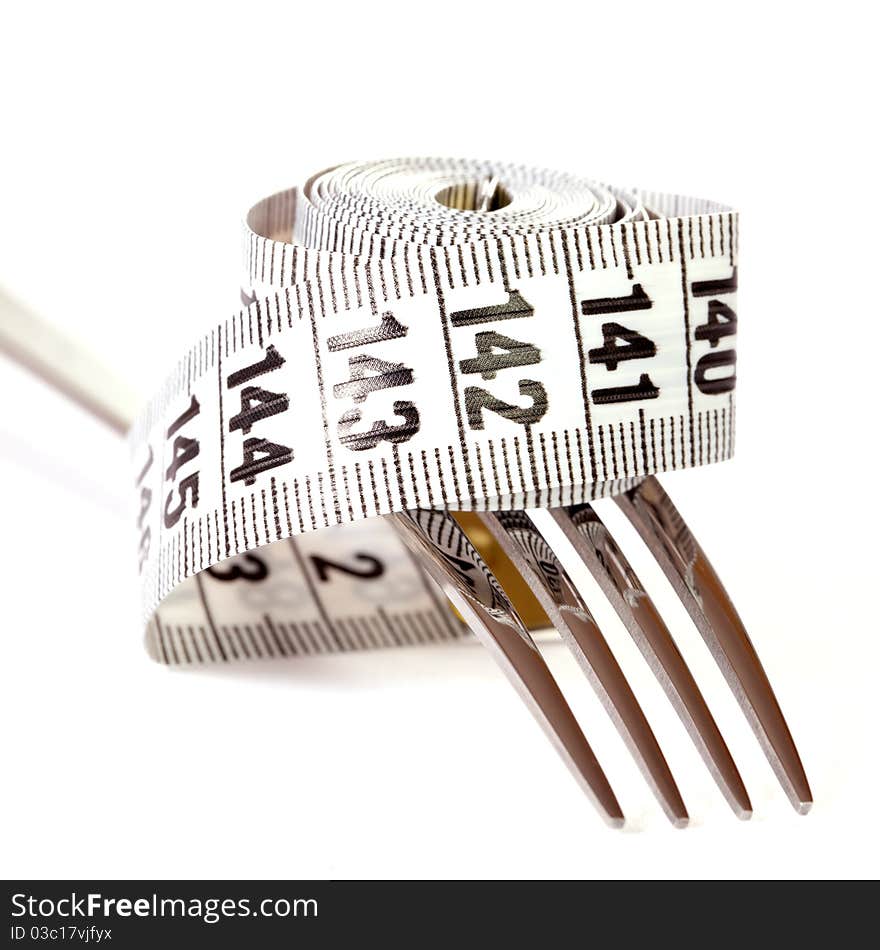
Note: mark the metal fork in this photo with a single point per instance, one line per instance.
(452, 560)
(454, 563)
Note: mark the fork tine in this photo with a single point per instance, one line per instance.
(620, 584)
(455, 565)
(663, 530)
(535, 560)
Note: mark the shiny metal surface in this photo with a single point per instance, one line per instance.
(526, 547)
(686, 566)
(626, 593)
(456, 566)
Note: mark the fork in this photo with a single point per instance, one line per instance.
(448, 555)
(456, 566)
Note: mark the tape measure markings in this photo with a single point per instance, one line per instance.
(321, 630)
(568, 367)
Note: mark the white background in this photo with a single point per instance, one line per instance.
(132, 139)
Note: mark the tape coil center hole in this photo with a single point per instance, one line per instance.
(485, 195)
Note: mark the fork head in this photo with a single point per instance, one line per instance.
(455, 564)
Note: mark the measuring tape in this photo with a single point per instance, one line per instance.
(420, 333)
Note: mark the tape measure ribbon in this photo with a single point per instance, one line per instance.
(530, 366)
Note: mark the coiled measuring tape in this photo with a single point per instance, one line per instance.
(420, 333)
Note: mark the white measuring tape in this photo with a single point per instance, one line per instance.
(420, 333)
